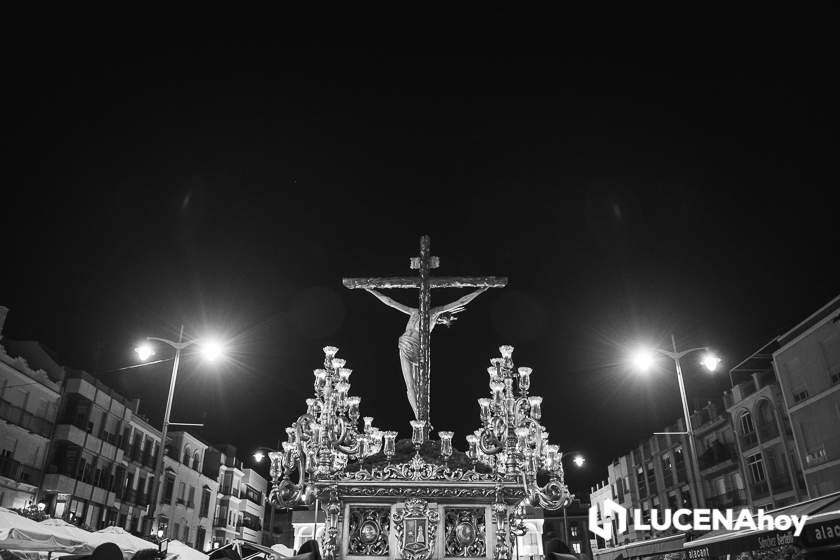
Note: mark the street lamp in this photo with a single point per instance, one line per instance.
(578, 461)
(644, 358)
(210, 349)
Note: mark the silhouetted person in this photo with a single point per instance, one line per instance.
(309, 550)
(555, 549)
(107, 551)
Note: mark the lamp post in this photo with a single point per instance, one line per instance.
(210, 350)
(578, 460)
(644, 359)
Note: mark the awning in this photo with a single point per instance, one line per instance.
(716, 543)
(640, 549)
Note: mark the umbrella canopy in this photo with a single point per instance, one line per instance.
(20, 533)
(283, 550)
(61, 528)
(184, 552)
(122, 538)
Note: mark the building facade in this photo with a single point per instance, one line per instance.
(85, 465)
(570, 525)
(29, 400)
(764, 442)
(252, 506)
(721, 472)
(141, 445)
(807, 362)
(188, 496)
(241, 498)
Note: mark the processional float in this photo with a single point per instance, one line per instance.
(424, 506)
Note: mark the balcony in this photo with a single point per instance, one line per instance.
(781, 483)
(9, 467)
(759, 489)
(19, 472)
(716, 455)
(827, 450)
(26, 420)
(729, 499)
(129, 496)
(228, 491)
(767, 431)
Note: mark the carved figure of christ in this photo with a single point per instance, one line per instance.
(409, 341)
(414, 344)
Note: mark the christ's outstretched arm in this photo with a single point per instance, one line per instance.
(390, 302)
(460, 302)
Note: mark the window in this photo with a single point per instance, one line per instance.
(205, 502)
(800, 394)
(253, 495)
(640, 481)
(815, 455)
(186, 537)
(685, 496)
(747, 426)
(177, 530)
(756, 467)
(191, 497)
(168, 489)
(679, 464)
(573, 529)
(576, 547)
(667, 470)
(651, 478)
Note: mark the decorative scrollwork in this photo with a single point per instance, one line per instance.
(427, 492)
(465, 533)
(418, 469)
(369, 531)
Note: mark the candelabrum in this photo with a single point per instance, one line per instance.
(511, 439)
(323, 441)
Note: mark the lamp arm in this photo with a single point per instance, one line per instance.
(175, 345)
(499, 444)
(680, 355)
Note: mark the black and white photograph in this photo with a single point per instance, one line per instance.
(262, 299)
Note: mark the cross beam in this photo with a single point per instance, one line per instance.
(436, 282)
(425, 283)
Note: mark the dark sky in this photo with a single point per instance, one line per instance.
(230, 186)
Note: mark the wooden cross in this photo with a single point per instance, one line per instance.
(425, 283)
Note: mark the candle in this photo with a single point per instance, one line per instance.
(446, 443)
(390, 446)
(524, 378)
(536, 411)
(417, 432)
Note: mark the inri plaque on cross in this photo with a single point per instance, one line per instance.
(414, 344)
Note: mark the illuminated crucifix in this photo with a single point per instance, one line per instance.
(414, 343)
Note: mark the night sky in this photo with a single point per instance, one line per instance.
(230, 187)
